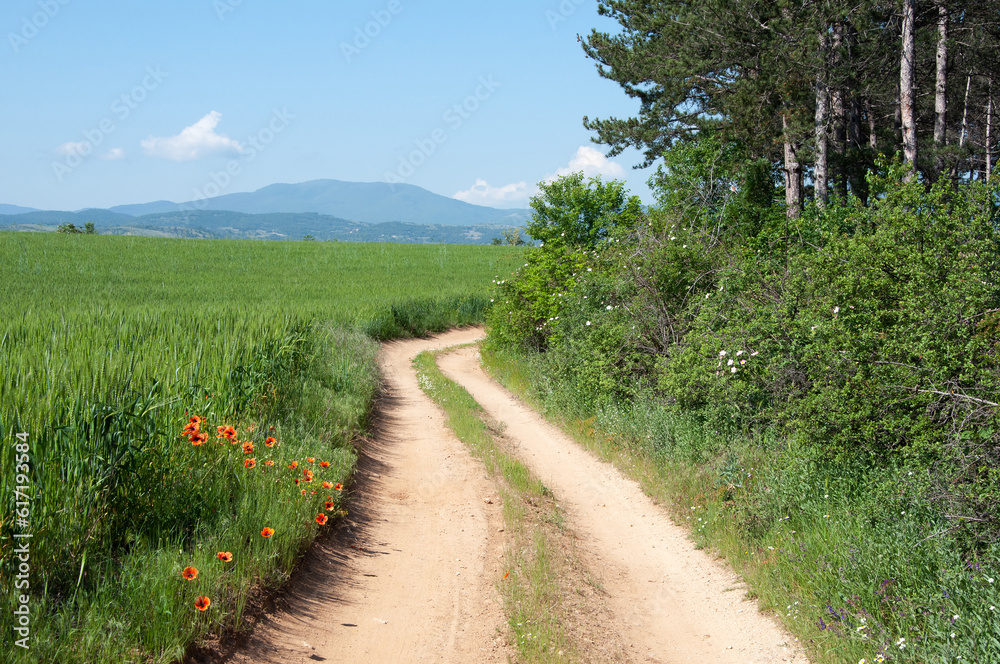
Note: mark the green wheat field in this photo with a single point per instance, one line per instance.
(125, 359)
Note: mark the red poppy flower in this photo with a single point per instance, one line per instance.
(250, 463)
(310, 459)
(189, 573)
(225, 556)
(338, 486)
(303, 492)
(328, 505)
(202, 603)
(327, 485)
(295, 464)
(270, 441)
(268, 463)
(324, 464)
(248, 447)
(198, 438)
(321, 519)
(267, 532)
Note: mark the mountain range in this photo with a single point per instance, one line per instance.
(324, 209)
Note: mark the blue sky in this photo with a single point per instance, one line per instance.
(118, 101)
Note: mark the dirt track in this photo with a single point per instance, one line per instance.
(411, 577)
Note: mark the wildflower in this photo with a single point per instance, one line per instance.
(248, 447)
(267, 532)
(338, 487)
(226, 432)
(327, 485)
(609, 307)
(198, 438)
(321, 519)
(901, 643)
(588, 322)
(270, 441)
(328, 505)
(722, 353)
(730, 363)
(310, 459)
(989, 579)
(202, 603)
(224, 556)
(295, 464)
(734, 370)
(250, 463)
(836, 310)
(324, 464)
(190, 573)
(953, 635)
(268, 463)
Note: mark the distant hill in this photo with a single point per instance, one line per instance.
(371, 202)
(14, 209)
(52, 218)
(276, 226)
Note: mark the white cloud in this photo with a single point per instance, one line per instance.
(114, 154)
(592, 162)
(482, 193)
(81, 148)
(194, 142)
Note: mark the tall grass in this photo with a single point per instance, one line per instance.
(109, 344)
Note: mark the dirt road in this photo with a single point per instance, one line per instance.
(411, 577)
(674, 603)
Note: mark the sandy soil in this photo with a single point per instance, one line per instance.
(674, 603)
(411, 575)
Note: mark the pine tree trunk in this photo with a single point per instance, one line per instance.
(941, 83)
(838, 116)
(822, 129)
(872, 135)
(793, 175)
(989, 134)
(965, 113)
(907, 97)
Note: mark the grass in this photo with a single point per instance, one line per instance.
(109, 345)
(850, 558)
(531, 588)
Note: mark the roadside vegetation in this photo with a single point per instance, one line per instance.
(796, 345)
(189, 410)
(816, 398)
